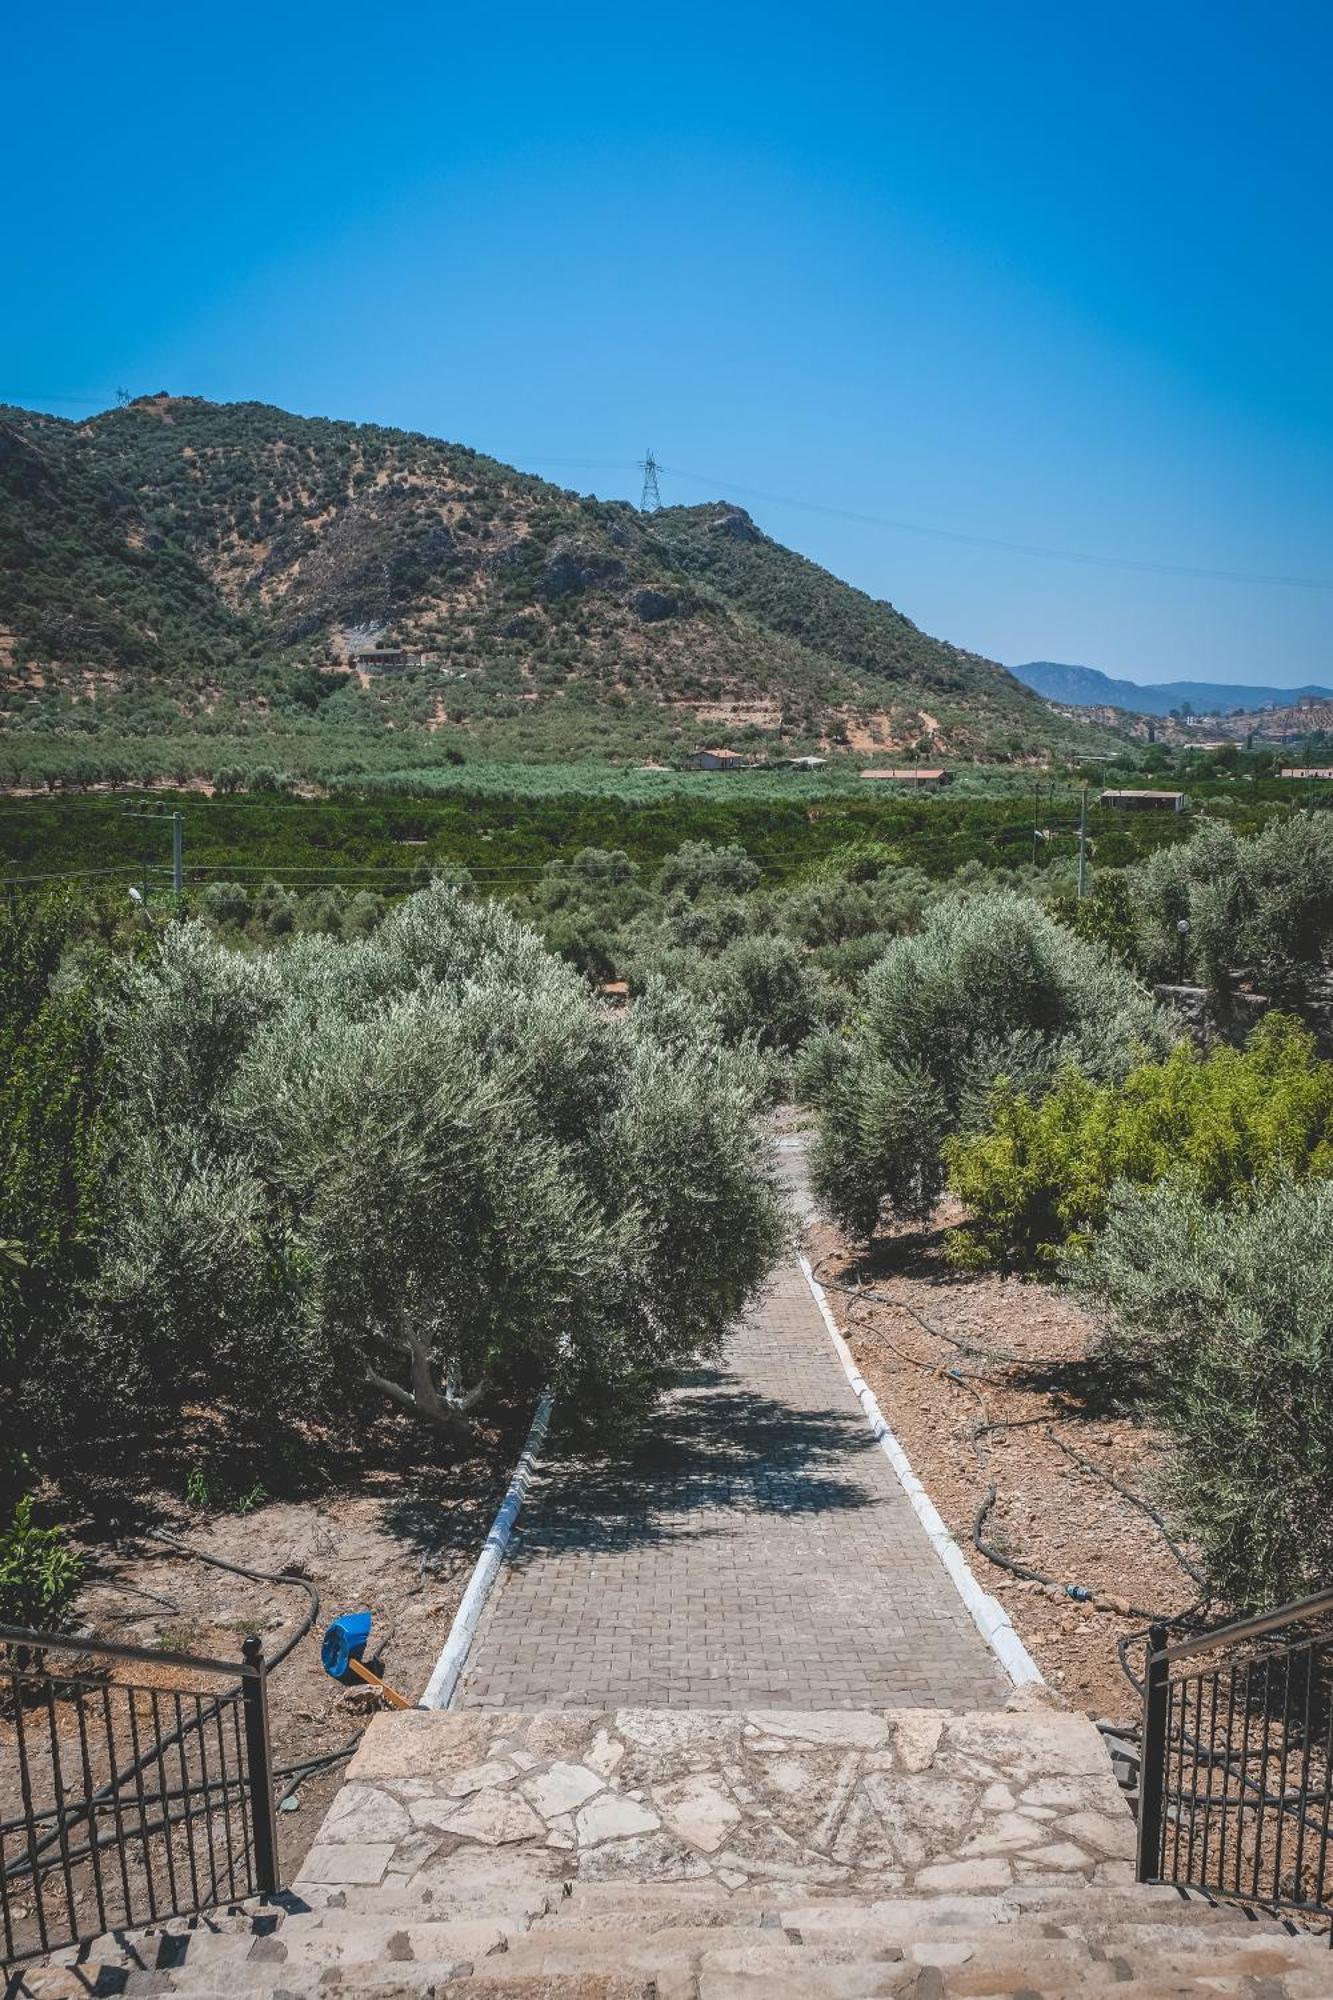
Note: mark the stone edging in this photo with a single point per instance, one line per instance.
(986, 1612)
(448, 1668)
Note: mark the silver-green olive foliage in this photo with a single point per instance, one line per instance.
(428, 1161)
(991, 987)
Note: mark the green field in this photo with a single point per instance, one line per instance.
(506, 823)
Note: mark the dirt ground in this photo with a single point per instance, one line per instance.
(1025, 1363)
(394, 1531)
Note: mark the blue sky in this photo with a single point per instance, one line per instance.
(1050, 275)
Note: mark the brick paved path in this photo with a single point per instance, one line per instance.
(755, 1549)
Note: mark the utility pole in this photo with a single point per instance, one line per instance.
(177, 847)
(1036, 817)
(1083, 845)
(650, 500)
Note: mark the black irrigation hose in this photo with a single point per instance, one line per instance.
(24, 1865)
(252, 1576)
(297, 1772)
(901, 1305)
(1078, 1592)
(1191, 1569)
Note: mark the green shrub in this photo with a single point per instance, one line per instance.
(1041, 1173)
(1225, 1314)
(991, 987)
(39, 1575)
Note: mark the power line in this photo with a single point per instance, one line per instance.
(997, 542)
(650, 502)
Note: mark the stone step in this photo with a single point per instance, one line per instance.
(982, 1962)
(462, 1960)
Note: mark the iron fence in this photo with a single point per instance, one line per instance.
(1236, 1787)
(135, 1785)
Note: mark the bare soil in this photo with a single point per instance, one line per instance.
(1015, 1353)
(393, 1528)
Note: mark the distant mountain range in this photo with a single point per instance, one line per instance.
(1085, 687)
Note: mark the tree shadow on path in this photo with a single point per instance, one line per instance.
(715, 1450)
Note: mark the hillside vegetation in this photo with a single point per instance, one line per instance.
(207, 575)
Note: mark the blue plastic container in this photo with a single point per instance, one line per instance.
(344, 1640)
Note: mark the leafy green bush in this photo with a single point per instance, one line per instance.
(53, 1145)
(39, 1575)
(1041, 1173)
(1225, 1314)
(991, 987)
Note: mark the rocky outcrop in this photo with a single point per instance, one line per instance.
(575, 564)
(651, 605)
(735, 524)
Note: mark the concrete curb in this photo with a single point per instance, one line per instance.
(986, 1612)
(444, 1679)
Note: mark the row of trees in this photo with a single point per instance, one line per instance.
(1186, 1197)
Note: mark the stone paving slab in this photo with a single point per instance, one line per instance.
(753, 1549)
(871, 1802)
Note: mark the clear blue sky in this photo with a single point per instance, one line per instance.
(1056, 274)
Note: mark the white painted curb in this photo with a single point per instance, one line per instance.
(444, 1680)
(986, 1612)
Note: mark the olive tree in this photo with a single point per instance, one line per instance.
(436, 1166)
(1224, 1314)
(1263, 905)
(990, 988)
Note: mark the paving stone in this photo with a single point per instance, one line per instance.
(363, 1813)
(612, 1817)
(989, 1873)
(699, 1810)
(350, 1862)
(481, 1776)
(560, 1788)
(753, 1550)
(495, 1819)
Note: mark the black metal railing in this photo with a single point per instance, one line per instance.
(124, 1801)
(1236, 1787)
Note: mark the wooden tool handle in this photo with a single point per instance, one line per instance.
(373, 1680)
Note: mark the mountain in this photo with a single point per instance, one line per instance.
(1086, 687)
(210, 575)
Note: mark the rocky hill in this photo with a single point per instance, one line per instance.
(178, 567)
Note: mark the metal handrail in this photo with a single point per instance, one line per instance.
(200, 1791)
(1237, 1759)
(46, 1642)
(1249, 1628)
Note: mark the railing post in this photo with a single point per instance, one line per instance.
(1152, 1762)
(263, 1819)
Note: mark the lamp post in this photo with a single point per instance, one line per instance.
(1182, 938)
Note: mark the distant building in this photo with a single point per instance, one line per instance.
(807, 763)
(1301, 773)
(1175, 802)
(719, 760)
(910, 774)
(385, 659)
